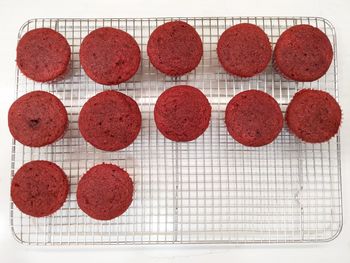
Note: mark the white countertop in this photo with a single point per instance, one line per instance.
(14, 13)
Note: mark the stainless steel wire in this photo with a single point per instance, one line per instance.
(212, 190)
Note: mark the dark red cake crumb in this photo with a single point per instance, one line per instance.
(43, 54)
(109, 56)
(39, 188)
(110, 120)
(105, 192)
(175, 48)
(303, 53)
(313, 116)
(244, 50)
(182, 113)
(253, 118)
(38, 118)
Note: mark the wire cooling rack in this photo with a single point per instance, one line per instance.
(212, 190)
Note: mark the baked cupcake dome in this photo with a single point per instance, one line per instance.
(314, 116)
(182, 113)
(43, 54)
(37, 118)
(253, 118)
(303, 53)
(110, 120)
(244, 50)
(105, 192)
(109, 56)
(175, 48)
(39, 188)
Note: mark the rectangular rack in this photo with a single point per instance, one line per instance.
(212, 190)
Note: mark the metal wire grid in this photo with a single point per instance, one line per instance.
(212, 190)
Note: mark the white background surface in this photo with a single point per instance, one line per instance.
(14, 13)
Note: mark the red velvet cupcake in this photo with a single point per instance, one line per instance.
(38, 118)
(43, 54)
(253, 118)
(175, 48)
(39, 188)
(105, 192)
(110, 120)
(182, 113)
(244, 50)
(109, 56)
(303, 53)
(313, 116)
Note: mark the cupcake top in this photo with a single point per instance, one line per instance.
(110, 120)
(182, 113)
(253, 118)
(303, 53)
(175, 48)
(39, 188)
(38, 118)
(43, 54)
(244, 50)
(105, 192)
(313, 116)
(109, 56)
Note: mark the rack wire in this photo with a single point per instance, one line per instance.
(212, 190)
